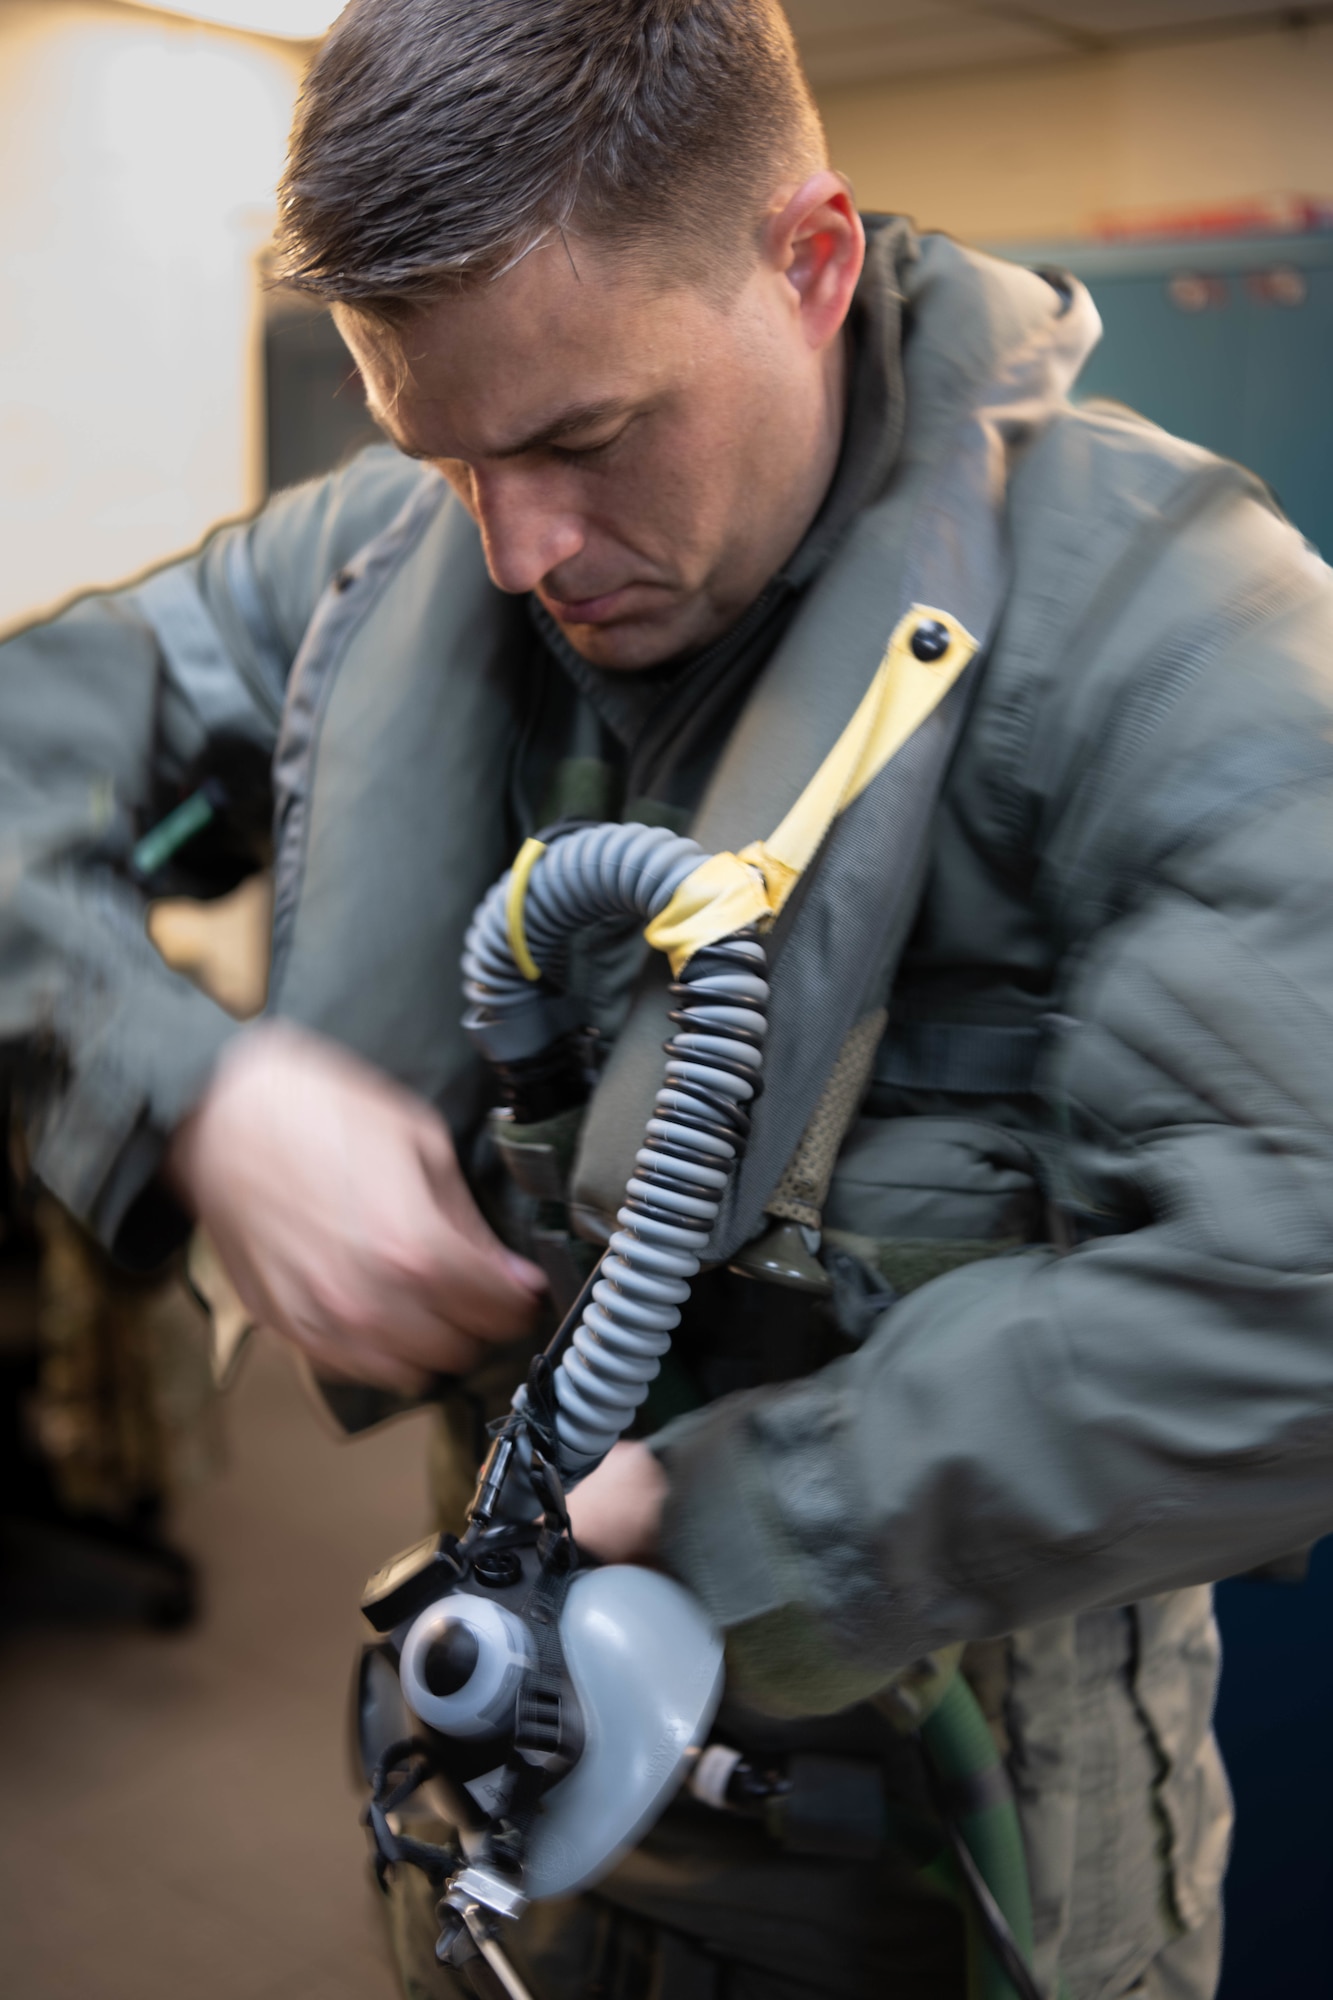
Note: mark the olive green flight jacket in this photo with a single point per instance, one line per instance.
(1110, 1060)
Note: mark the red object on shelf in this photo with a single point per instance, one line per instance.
(1266, 215)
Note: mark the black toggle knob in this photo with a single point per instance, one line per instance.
(449, 1663)
(498, 1569)
(930, 641)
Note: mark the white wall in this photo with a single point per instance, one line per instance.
(1027, 152)
(138, 158)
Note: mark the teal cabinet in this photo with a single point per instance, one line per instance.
(1230, 344)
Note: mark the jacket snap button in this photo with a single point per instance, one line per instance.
(930, 641)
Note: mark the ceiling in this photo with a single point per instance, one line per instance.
(285, 20)
(853, 41)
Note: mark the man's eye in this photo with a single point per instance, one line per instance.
(587, 451)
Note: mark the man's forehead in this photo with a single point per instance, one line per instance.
(424, 427)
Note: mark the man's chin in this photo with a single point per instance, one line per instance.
(629, 645)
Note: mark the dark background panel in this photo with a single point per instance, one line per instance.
(315, 402)
(1275, 1727)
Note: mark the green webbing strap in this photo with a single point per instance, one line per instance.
(907, 1262)
(581, 788)
(977, 1795)
(934, 1703)
(167, 838)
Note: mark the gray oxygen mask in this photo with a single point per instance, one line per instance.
(545, 1708)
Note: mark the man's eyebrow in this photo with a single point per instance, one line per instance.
(575, 419)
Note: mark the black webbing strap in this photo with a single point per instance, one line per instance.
(543, 1719)
(973, 1058)
(415, 1760)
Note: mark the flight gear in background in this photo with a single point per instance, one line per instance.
(107, 1386)
(106, 1409)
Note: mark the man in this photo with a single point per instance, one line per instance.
(674, 449)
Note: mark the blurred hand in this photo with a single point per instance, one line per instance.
(616, 1512)
(335, 1201)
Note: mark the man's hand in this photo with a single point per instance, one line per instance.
(335, 1201)
(616, 1512)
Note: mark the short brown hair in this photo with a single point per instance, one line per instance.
(436, 141)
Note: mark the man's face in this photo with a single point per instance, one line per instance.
(642, 458)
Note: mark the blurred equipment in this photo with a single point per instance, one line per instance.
(107, 1378)
(105, 1408)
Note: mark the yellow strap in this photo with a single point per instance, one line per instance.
(721, 896)
(730, 890)
(525, 861)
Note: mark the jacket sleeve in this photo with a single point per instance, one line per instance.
(1043, 1432)
(110, 714)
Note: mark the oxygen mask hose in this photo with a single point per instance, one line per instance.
(551, 1707)
(699, 1124)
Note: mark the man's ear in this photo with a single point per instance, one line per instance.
(816, 242)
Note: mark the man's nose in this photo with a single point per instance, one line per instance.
(526, 530)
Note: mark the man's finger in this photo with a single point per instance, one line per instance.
(454, 1200)
(471, 1281)
(476, 1290)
